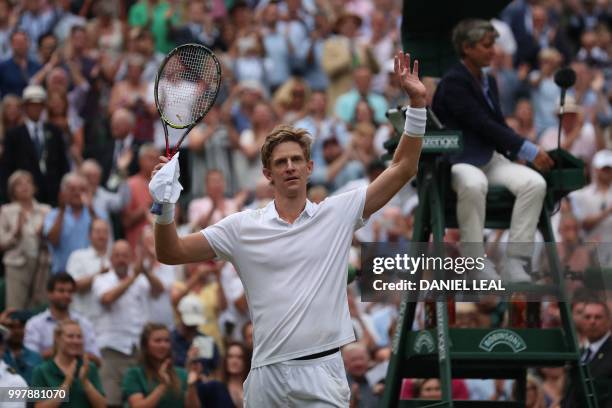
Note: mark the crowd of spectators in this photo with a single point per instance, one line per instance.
(80, 135)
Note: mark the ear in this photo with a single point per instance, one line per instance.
(267, 174)
(309, 167)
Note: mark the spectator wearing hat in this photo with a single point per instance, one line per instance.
(16, 354)
(577, 136)
(191, 317)
(8, 375)
(342, 53)
(26, 258)
(36, 146)
(592, 205)
(15, 73)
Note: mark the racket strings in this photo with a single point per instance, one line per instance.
(188, 86)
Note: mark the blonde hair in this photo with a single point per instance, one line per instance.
(15, 177)
(59, 330)
(282, 134)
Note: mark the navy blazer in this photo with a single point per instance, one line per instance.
(460, 103)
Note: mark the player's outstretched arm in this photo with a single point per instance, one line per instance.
(405, 161)
(171, 249)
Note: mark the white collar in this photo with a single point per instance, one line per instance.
(595, 346)
(270, 212)
(31, 124)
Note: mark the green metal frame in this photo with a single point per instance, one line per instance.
(456, 350)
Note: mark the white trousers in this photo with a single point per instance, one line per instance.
(317, 383)
(471, 184)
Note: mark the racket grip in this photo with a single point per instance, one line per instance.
(156, 208)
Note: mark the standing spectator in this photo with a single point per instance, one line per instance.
(16, 72)
(8, 377)
(39, 329)
(36, 19)
(26, 258)
(247, 160)
(119, 155)
(190, 318)
(321, 126)
(346, 103)
(145, 47)
(17, 355)
(47, 47)
(130, 93)
(237, 312)
(123, 294)
(545, 93)
(203, 280)
(342, 54)
(12, 115)
(155, 381)
(278, 50)
(67, 226)
(214, 206)
(87, 263)
(66, 21)
(598, 353)
(592, 205)
(313, 70)
(240, 104)
(36, 146)
(106, 33)
(290, 100)
(136, 214)
(340, 165)
(158, 15)
(577, 136)
(381, 41)
(6, 27)
(104, 202)
(70, 370)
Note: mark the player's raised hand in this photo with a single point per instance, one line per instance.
(409, 79)
(162, 160)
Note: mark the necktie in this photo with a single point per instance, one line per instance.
(586, 355)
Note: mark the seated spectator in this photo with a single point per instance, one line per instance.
(16, 72)
(535, 394)
(123, 294)
(40, 140)
(104, 202)
(155, 381)
(16, 355)
(357, 363)
(203, 280)
(523, 113)
(70, 369)
(428, 389)
(87, 263)
(577, 136)
(213, 207)
(67, 226)
(346, 103)
(26, 258)
(190, 318)
(236, 366)
(8, 375)
(136, 215)
(39, 329)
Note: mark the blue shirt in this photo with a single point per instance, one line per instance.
(346, 104)
(13, 79)
(74, 235)
(24, 364)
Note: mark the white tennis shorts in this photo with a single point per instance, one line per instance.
(320, 382)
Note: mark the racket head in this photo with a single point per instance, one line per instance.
(186, 85)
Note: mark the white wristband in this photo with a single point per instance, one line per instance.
(167, 215)
(416, 119)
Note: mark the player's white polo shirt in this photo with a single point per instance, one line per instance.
(294, 275)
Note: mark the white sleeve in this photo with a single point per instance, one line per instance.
(350, 205)
(224, 235)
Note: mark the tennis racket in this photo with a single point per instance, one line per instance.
(186, 87)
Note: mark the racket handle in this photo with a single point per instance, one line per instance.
(156, 209)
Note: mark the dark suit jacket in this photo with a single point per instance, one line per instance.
(600, 368)
(459, 103)
(20, 154)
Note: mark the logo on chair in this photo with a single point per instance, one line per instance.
(424, 343)
(505, 337)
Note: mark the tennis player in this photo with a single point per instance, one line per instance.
(292, 258)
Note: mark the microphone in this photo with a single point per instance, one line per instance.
(564, 78)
